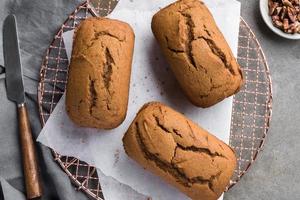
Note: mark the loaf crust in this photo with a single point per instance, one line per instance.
(99, 73)
(197, 52)
(182, 153)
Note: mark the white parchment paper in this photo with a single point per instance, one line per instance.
(151, 80)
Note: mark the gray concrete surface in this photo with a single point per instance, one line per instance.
(276, 173)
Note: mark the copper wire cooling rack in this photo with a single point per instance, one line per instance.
(251, 112)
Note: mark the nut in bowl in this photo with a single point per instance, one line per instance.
(282, 17)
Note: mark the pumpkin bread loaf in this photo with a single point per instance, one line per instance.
(99, 74)
(197, 52)
(182, 153)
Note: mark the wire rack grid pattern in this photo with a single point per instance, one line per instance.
(251, 112)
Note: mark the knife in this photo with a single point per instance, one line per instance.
(15, 92)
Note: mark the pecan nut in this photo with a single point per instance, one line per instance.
(285, 15)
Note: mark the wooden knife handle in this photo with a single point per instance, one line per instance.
(30, 167)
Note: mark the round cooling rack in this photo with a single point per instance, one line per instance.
(251, 112)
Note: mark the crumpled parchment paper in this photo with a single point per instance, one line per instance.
(151, 80)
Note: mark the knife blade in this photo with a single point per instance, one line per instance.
(12, 62)
(15, 92)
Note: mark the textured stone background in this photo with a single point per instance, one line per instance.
(276, 174)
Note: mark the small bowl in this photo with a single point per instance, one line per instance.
(264, 10)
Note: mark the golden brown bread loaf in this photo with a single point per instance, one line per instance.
(99, 74)
(197, 52)
(182, 153)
